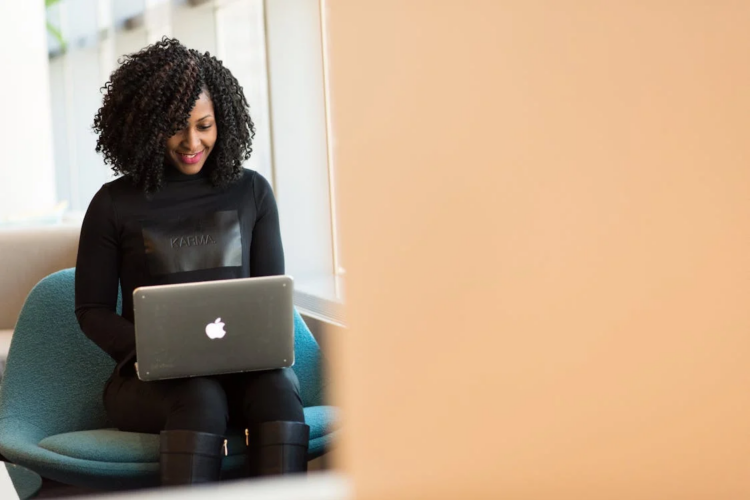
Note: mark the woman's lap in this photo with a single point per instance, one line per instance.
(205, 404)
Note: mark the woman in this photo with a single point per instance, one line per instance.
(175, 123)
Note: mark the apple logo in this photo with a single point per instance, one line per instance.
(215, 330)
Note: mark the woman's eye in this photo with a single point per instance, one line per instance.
(204, 127)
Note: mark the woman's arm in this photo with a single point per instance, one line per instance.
(266, 250)
(97, 281)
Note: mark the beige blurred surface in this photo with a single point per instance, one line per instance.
(545, 227)
(28, 254)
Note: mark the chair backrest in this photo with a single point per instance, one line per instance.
(55, 375)
(307, 363)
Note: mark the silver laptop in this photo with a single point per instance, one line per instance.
(214, 327)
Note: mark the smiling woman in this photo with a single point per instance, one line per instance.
(165, 105)
(176, 123)
(274, 49)
(189, 148)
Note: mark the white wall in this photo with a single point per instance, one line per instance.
(194, 27)
(298, 125)
(89, 171)
(27, 181)
(62, 147)
(241, 45)
(128, 42)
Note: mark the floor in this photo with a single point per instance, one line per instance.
(53, 489)
(313, 486)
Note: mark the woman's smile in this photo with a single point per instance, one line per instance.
(189, 148)
(190, 158)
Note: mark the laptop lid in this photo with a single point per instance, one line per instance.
(214, 327)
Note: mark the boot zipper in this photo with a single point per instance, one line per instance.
(226, 448)
(247, 437)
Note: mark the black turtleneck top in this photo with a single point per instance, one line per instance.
(186, 232)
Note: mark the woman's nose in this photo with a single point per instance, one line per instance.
(193, 140)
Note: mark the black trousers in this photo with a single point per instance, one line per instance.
(203, 404)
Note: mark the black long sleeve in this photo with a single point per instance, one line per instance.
(97, 281)
(266, 252)
(188, 231)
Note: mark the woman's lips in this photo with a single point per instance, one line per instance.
(190, 159)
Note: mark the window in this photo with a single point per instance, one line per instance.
(275, 49)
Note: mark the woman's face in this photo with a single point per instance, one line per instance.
(189, 148)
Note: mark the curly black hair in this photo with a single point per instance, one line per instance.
(150, 97)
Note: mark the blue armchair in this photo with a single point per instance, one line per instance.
(52, 418)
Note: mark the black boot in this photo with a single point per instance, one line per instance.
(278, 448)
(188, 457)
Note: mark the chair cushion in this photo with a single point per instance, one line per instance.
(322, 420)
(111, 445)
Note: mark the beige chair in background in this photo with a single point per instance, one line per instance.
(28, 254)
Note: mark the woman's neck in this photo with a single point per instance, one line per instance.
(173, 174)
